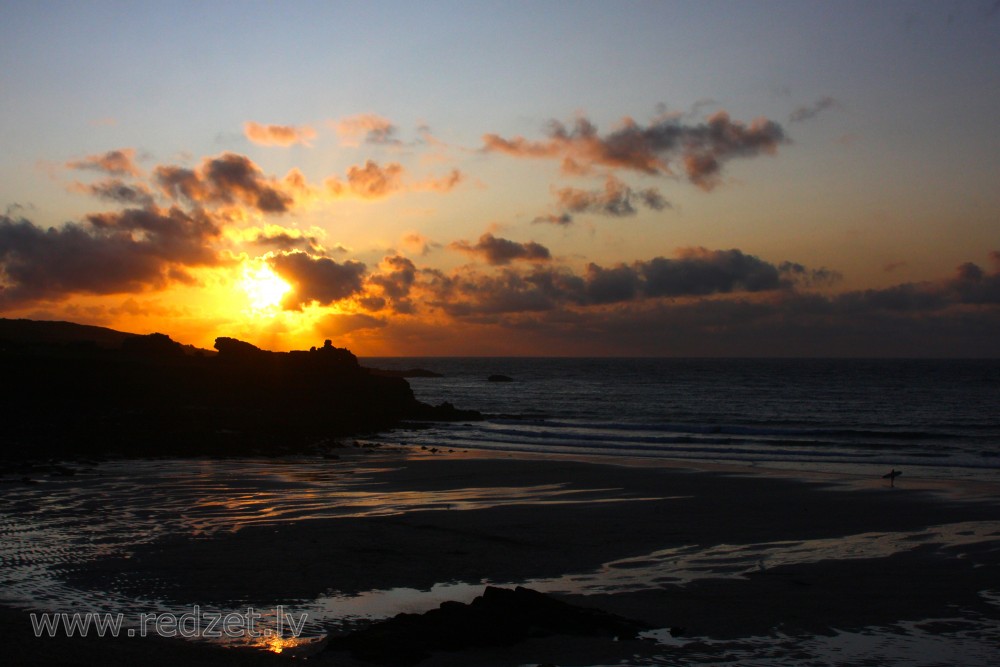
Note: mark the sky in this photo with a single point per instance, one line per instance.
(759, 178)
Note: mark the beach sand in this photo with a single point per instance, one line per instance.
(718, 554)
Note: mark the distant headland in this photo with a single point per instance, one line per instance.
(83, 391)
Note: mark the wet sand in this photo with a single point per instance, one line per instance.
(714, 553)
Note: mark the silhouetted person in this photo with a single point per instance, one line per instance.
(891, 476)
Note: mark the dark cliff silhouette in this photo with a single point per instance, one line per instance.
(115, 394)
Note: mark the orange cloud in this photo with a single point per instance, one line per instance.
(445, 184)
(373, 181)
(278, 135)
(365, 128)
(117, 163)
(368, 182)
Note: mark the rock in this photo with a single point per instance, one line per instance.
(499, 378)
(149, 397)
(499, 617)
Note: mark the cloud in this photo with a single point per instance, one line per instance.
(497, 251)
(129, 251)
(445, 184)
(617, 199)
(699, 271)
(419, 244)
(117, 190)
(278, 135)
(701, 149)
(228, 179)
(808, 113)
(284, 239)
(695, 272)
(317, 279)
(116, 163)
(562, 219)
(373, 181)
(704, 303)
(367, 128)
(336, 325)
(368, 182)
(395, 280)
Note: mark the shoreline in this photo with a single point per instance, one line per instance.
(619, 536)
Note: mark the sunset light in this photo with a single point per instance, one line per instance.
(500, 333)
(263, 287)
(756, 200)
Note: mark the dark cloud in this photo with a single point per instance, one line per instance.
(806, 277)
(398, 277)
(497, 251)
(619, 283)
(699, 271)
(117, 163)
(700, 149)
(317, 279)
(128, 251)
(286, 240)
(810, 112)
(395, 281)
(118, 191)
(617, 199)
(549, 310)
(561, 219)
(695, 272)
(227, 179)
(467, 294)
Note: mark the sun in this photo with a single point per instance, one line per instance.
(264, 288)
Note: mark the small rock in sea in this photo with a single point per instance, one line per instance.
(500, 378)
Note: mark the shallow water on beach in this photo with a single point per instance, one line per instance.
(929, 643)
(49, 528)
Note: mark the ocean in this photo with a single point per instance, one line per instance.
(932, 418)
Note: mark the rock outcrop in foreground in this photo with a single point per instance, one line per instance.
(499, 617)
(151, 396)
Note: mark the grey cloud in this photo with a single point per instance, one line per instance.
(118, 191)
(128, 251)
(317, 279)
(117, 163)
(227, 179)
(497, 251)
(808, 113)
(701, 149)
(617, 199)
(561, 219)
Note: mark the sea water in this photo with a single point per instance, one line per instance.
(936, 418)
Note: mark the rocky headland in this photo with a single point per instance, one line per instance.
(74, 391)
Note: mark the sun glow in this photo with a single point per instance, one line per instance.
(264, 288)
